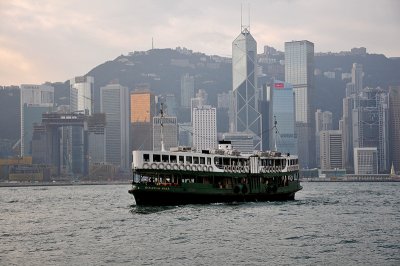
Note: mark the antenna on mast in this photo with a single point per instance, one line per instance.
(276, 133)
(152, 43)
(162, 126)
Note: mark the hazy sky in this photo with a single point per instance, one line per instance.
(55, 40)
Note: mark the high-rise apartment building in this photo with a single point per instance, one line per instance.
(114, 102)
(299, 71)
(394, 122)
(35, 100)
(187, 90)
(81, 94)
(204, 127)
(142, 111)
(247, 118)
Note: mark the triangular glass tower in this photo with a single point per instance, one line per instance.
(247, 118)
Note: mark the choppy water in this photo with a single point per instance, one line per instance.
(329, 223)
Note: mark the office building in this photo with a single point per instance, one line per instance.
(370, 120)
(394, 122)
(170, 105)
(366, 161)
(169, 127)
(114, 103)
(204, 127)
(299, 71)
(357, 76)
(96, 138)
(187, 90)
(323, 121)
(142, 111)
(331, 149)
(242, 142)
(246, 118)
(35, 100)
(81, 94)
(283, 112)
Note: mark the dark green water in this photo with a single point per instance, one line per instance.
(327, 224)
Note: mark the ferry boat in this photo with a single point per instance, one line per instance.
(223, 175)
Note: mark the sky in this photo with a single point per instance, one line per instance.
(50, 40)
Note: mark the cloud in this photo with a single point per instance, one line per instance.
(56, 40)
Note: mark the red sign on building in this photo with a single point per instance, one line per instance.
(279, 85)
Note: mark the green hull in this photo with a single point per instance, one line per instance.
(195, 193)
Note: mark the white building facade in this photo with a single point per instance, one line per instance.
(204, 127)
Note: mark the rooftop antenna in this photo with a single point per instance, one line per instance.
(162, 126)
(244, 27)
(152, 43)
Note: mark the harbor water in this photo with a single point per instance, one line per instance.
(327, 224)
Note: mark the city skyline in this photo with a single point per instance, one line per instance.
(47, 41)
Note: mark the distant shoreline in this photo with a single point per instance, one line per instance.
(55, 184)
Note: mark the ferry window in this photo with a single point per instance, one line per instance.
(202, 160)
(189, 159)
(165, 158)
(208, 161)
(196, 160)
(173, 158)
(277, 162)
(181, 159)
(226, 161)
(146, 157)
(156, 158)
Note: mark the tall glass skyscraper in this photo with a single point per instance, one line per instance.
(247, 118)
(283, 112)
(299, 71)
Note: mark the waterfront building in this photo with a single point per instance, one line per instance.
(34, 101)
(330, 149)
(299, 71)
(114, 103)
(370, 121)
(81, 94)
(247, 118)
(96, 138)
(204, 127)
(366, 161)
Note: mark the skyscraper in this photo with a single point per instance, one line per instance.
(204, 127)
(35, 100)
(114, 100)
(187, 90)
(142, 111)
(357, 76)
(370, 124)
(81, 94)
(323, 121)
(246, 118)
(299, 71)
(331, 149)
(283, 112)
(394, 122)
